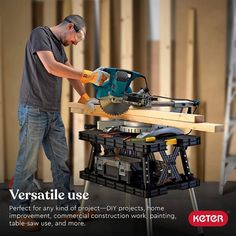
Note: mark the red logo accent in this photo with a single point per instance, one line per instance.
(208, 218)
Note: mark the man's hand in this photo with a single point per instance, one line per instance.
(84, 98)
(91, 103)
(97, 77)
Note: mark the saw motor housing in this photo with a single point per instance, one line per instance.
(118, 83)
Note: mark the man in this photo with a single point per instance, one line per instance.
(39, 105)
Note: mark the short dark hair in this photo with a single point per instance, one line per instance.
(77, 20)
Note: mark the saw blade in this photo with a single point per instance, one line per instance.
(113, 105)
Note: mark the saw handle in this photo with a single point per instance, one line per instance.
(132, 75)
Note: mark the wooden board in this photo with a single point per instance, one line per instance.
(49, 19)
(153, 112)
(126, 26)
(79, 157)
(144, 117)
(190, 78)
(2, 162)
(17, 13)
(105, 33)
(165, 48)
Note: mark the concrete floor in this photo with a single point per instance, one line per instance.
(176, 202)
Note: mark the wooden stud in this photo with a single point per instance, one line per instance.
(190, 88)
(37, 19)
(190, 78)
(2, 147)
(79, 157)
(126, 39)
(64, 9)
(49, 19)
(165, 48)
(115, 42)
(105, 33)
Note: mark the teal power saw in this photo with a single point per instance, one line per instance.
(116, 95)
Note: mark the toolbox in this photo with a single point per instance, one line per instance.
(120, 168)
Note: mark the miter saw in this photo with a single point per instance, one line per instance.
(116, 95)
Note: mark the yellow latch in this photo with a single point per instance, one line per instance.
(171, 141)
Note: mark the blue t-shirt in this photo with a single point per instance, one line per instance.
(38, 87)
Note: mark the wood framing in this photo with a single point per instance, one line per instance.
(2, 148)
(79, 157)
(190, 88)
(165, 48)
(105, 33)
(144, 117)
(49, 19)
(190, 79)
(126, 20)
(210, 67)
(62, 12)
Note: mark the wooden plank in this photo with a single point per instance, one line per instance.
(37, 18)
(115, 34)
(165, 48)
(190, 88)
(154, 66)
(140, 35)
(63, 10)
(2, 148)
(79, 157)
(38, 14)
(204, 126)
(126, 20)
(49, 19)
(154, 113)
(105, 33)
(18, 15)
(190, 77)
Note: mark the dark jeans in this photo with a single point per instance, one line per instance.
(41, 128)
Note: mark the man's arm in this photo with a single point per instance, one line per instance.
(58, 69)
(76, 84)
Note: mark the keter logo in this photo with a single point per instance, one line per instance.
(208, 218)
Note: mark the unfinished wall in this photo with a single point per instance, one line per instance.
(16, 26)
(210, 68)
(210, 60)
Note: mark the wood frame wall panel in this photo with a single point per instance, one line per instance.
(13, 58)
(140, 36)
(63, 10)
(165, 48)
(79, 157)
(115, 42)
(37, 13)
(190, 80)
(126, 21)
(49, 19)
(105, 36)
(2, 147)
(154, 66)
(210, 68)
(37, 20)
(90, 57)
